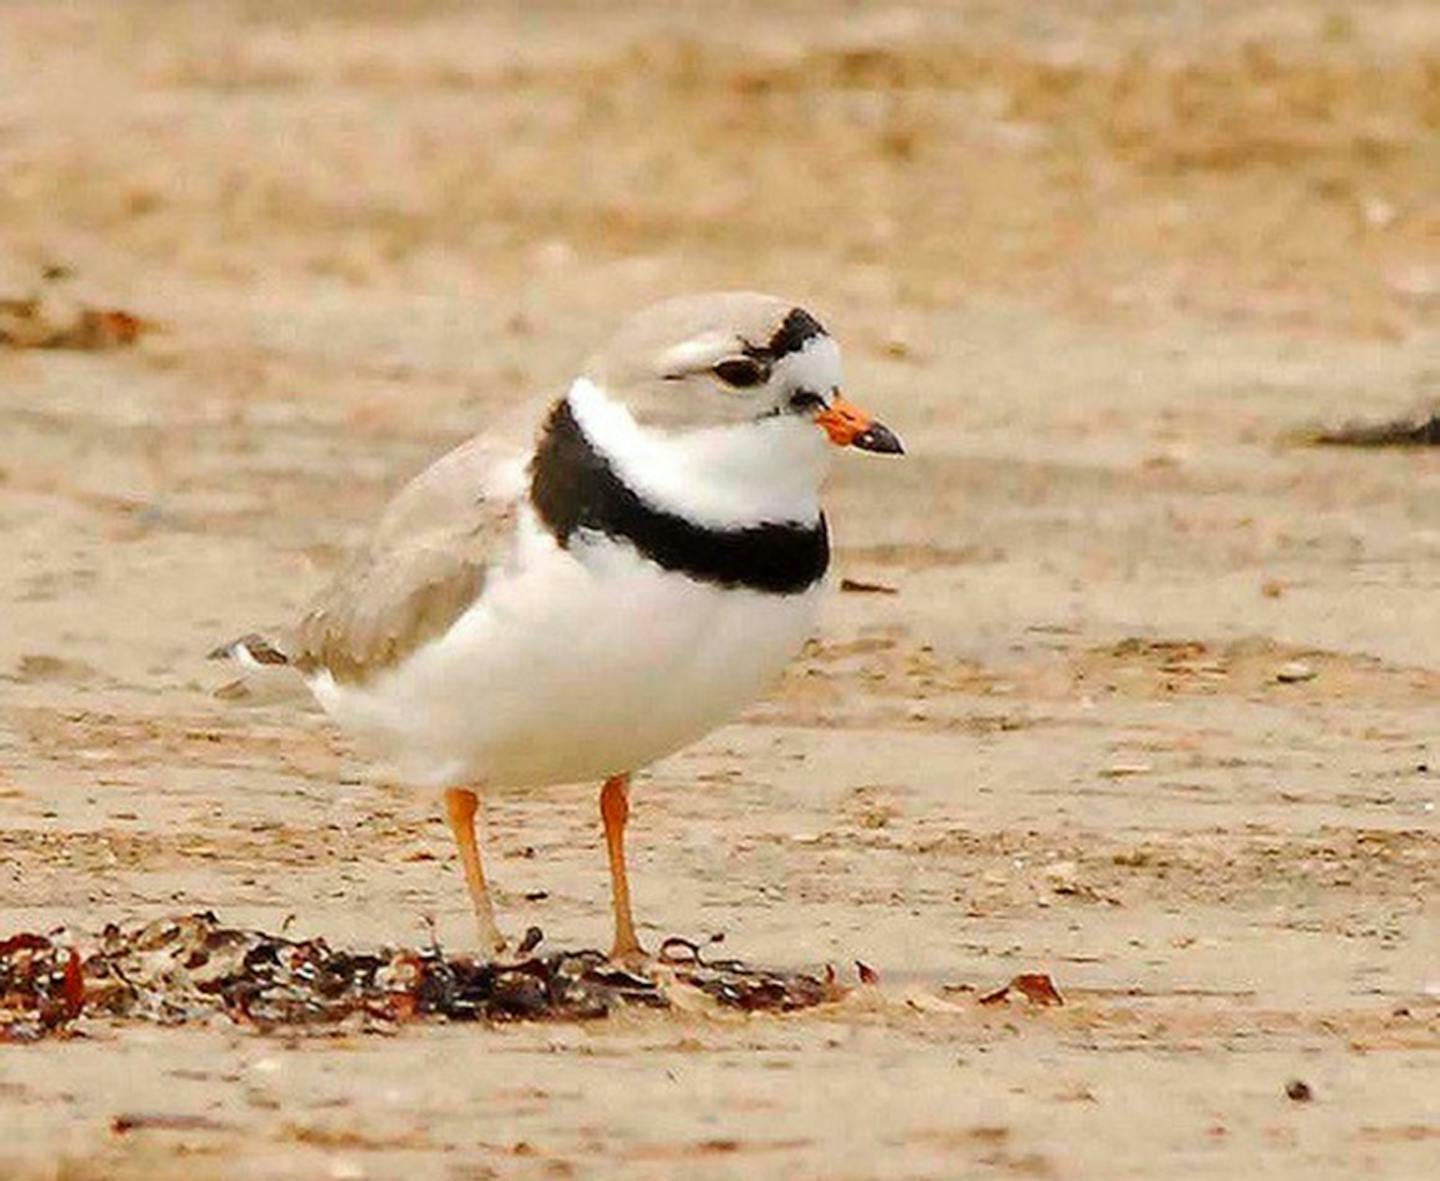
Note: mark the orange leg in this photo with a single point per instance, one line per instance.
(615, 811)
(461, 804)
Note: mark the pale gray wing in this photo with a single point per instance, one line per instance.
(421, 568)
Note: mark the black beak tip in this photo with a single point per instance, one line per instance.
(879, 439)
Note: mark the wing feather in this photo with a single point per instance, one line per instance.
(423, 566)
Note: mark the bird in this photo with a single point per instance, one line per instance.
(617, 572)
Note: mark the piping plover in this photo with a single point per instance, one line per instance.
(623, 579)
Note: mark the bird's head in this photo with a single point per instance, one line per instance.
(729, 402)
(730, 358)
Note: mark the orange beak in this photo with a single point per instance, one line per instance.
(849, 426)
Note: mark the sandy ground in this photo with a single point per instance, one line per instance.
(1097, 263)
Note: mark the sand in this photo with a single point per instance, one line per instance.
(1151, 710)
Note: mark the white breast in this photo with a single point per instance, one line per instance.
(571, 667)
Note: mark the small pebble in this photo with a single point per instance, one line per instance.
(1294, 672)
(1298, 1090)
(1120, 770)
(1063, 877)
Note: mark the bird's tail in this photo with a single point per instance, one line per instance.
(265, 674)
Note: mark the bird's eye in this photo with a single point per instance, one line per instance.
(741, 372)
(805, 400)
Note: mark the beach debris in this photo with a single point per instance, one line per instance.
(159, 1121)
(1415, 430)
(1035, 987)
(193, 969)
(42, 987)
(855, 586)
(741, 986)
(1297, 1090)
(44, 322)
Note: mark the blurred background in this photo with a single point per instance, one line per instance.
(1272, 163)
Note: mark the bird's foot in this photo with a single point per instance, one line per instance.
(630, 956)
(491, 943)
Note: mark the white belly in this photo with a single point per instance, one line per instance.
(573, 667)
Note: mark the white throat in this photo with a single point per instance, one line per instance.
(722, 476)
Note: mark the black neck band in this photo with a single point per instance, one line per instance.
(575, 488)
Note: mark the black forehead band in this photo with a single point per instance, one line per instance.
(798, 329)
